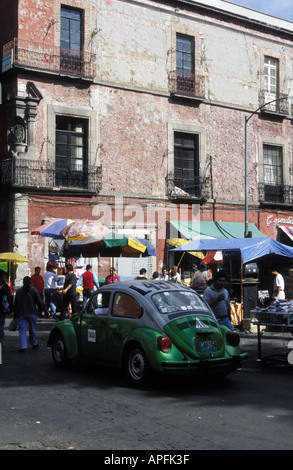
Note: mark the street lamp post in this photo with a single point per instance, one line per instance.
(247, 118)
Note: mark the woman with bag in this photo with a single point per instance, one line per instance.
(27, 300)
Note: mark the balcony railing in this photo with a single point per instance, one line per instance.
(39, 56)
(275, 194)
(187, 84)
(279, 105)
(35, 174)
(182, 188)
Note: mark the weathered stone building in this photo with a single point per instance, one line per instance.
(142, 102)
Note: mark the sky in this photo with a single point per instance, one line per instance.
(280, 8)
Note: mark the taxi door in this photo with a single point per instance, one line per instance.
(94, 322)
(122, 320)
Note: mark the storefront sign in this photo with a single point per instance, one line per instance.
(278, 220)
(7, 60)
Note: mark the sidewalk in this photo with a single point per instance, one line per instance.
(273, 344)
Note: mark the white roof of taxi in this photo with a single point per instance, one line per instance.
(144, 287)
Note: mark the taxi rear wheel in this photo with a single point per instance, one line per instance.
(136, 365)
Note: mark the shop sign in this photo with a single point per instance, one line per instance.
(278, 220)
(7, 60)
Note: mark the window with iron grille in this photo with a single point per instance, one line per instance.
(71, 151)
(273, 173)
(185, 63)
(71, 39)
(186, 162)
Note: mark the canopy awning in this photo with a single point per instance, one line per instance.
(207, 229)
(250, 248)
(287, 229)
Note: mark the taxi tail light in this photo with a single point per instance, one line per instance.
(164, 343)
(233, 338)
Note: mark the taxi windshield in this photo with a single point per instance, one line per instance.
(180, 301)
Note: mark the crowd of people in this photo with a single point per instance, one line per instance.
(38, 295)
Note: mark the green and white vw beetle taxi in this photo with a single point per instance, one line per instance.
(145, 327)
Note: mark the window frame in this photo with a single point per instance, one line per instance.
(125, 313)
(273, 173)
(66, 168)
(194, 169)
(271, 81)
(183, 54)
(68, 9)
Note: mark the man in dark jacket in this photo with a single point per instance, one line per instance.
(27, 300)
(69, 292)
(6, 300)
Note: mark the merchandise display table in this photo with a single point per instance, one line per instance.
(275, 317)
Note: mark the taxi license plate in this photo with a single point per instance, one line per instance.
(207, 346)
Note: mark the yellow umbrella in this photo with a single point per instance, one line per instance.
(13, 258)
(181, 241)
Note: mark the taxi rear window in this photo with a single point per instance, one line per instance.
(179, 301)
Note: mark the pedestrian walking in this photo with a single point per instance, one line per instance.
(200, 279)
(27, 300)
(37, 281)
(6, 300)
(112, 277)
(164, 276)
(218, 299)
(279, 285)
(89, 281)
(142, 274)
(174, 275)
(50, 286)
(69, 292)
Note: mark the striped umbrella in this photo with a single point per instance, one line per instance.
(52, 229)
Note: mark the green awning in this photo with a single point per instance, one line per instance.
(194, 229)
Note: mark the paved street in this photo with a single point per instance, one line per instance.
(89, 407)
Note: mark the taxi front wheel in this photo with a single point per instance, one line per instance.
(59, 350)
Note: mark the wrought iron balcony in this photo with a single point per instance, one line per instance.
(45, 175)
(278, 103)
(275, 194)
(187, 189)
(187, 84)
(43, 57)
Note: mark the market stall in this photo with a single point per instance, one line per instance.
(278, 315)
(250, 250)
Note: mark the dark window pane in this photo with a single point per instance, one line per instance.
(71, 152)
(186, 162)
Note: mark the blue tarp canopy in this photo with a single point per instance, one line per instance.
(250, 248)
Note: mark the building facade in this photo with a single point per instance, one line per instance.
(133, 111)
